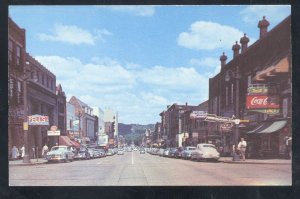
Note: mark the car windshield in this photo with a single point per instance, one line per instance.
(58, 148)
(191, 148)
(209, 146)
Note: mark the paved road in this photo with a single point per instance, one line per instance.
(136, 169)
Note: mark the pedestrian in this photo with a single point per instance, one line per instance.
(288, 147)
(23, 151)
(242, 148)
(44, 151)
(15, 153)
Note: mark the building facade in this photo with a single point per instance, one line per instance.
(260, 72)
(86, 120)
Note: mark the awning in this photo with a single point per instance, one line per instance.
(269, 127)
(276, 126)
(65, 140)
(281, 66)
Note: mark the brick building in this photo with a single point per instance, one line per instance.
(265, 66)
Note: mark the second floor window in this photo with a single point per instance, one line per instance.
(18, 61)
(231, 99)
(226, 97)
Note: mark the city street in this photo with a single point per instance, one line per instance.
(135, 169)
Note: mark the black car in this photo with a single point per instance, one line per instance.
(172, 152)
(178, 152)
(82, 153)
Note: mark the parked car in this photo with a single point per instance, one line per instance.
(97, 153)
(92, 152)
(82, 153)
(178, 152)
(186, 154)
(142, 151)
(101, 152)
(110, 152)
(205, 152)
(120, 152)
(172, 152)
(60, 153)
(166, 152)
(161, 152)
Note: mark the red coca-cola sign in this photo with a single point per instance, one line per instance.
(262, 101)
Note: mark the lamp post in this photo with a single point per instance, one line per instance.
(27, 76)
(235, 75)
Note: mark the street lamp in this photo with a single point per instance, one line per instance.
(235, 75)
(26, 77)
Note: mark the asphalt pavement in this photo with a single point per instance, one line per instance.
(135, 169)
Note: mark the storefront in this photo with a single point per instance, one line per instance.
(267, 140)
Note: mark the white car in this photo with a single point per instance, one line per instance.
(120, 152)
(205, 152)
(60, 153)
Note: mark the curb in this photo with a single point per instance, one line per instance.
(27, 164)
(242, 162)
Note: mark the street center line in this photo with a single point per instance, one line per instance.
(132, 157)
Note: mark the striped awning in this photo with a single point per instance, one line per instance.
(269, 127)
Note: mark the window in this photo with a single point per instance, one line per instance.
(231, 99)
(10, 50)
(19, 92)
(43, 79)
(249, 80)
(226, 97)
(18, 55)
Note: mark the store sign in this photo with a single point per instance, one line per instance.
(261, 90)
(262, 102)
(38, 120)
(53, 133)
(195, 135)
(111, 141)
(102, 140)
(267, 111)
(214, 118)
(226, 127)
(198, 115)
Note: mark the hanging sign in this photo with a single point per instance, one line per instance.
(198, 115)
(261, 90)
(53, 133)
(262, 102)
(38, 120)
(226, 127)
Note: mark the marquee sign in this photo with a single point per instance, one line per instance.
(214, 118)
(198, 114)
(262, 102)
(38, 120)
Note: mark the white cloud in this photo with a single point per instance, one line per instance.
(74, 35)
(105, 82)
(274, 13)
(206, 35)
(213, 65)
(136, 10)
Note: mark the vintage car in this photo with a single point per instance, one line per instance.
(82, 153)
(186, 154)
(60, 153)
(205, 152)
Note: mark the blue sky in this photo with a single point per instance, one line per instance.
(138, 59)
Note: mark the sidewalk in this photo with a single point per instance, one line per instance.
(256, 161)
(33, 162)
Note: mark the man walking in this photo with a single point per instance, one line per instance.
(44, 151)
(242, 148)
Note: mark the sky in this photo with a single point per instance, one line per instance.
(136, 60)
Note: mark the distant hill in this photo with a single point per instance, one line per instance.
(134, 128)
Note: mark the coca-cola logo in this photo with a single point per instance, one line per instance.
(261, 101)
